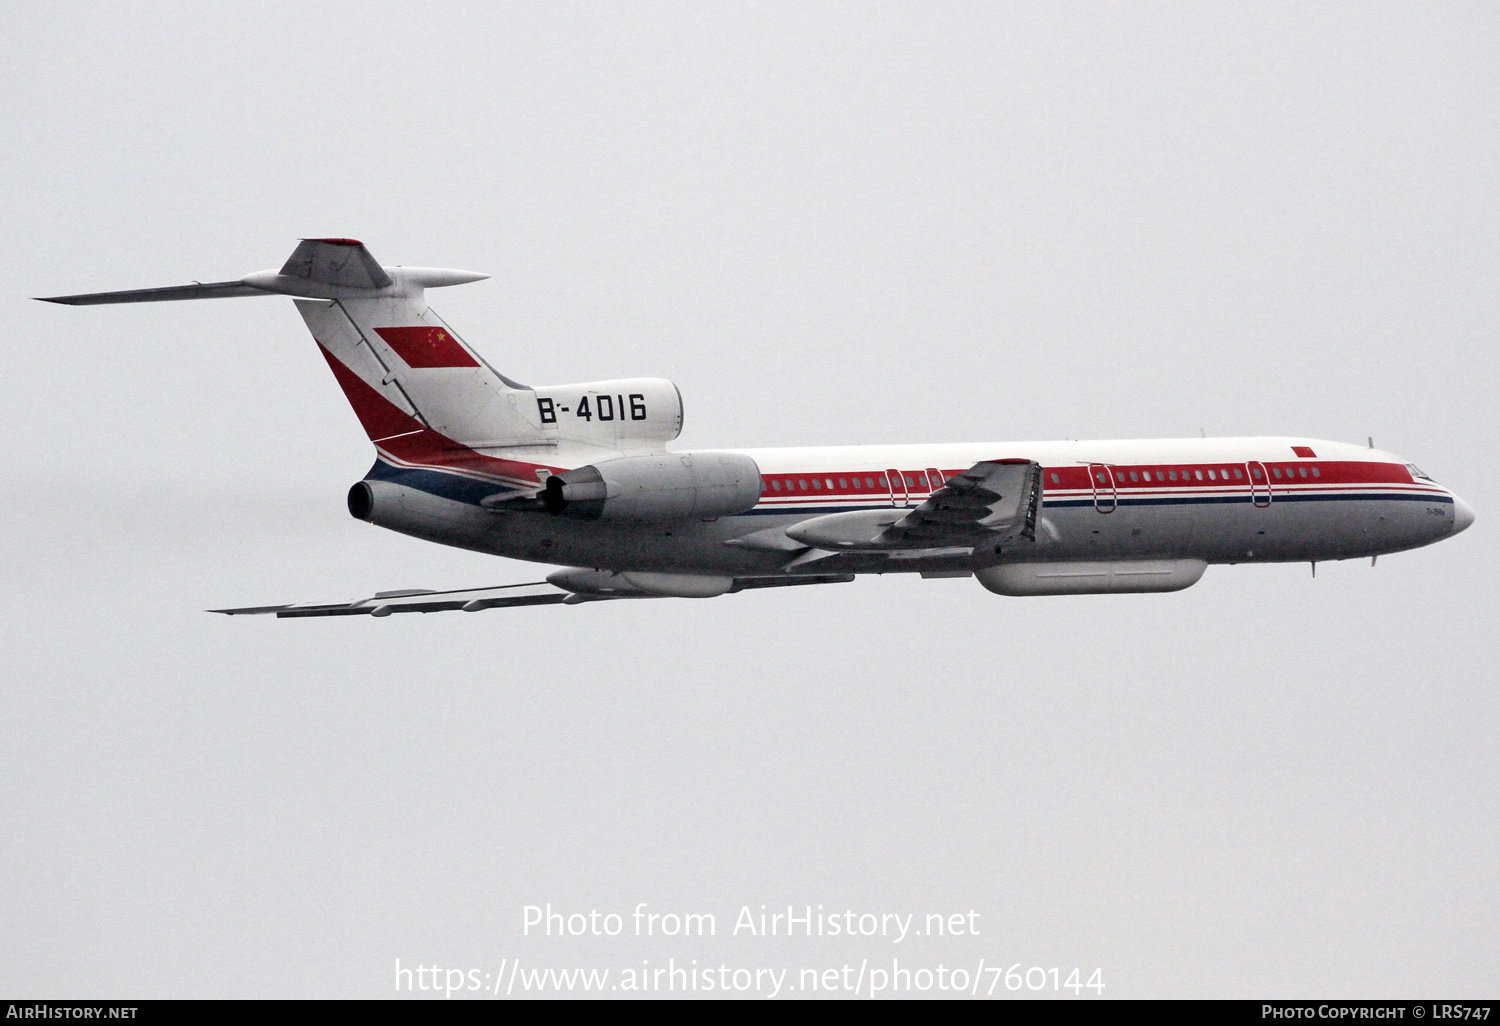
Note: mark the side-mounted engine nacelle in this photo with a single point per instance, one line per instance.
(665, 486)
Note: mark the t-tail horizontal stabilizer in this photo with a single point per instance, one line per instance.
(317, 269)
(213, 290)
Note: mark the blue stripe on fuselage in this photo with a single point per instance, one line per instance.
(435, 482)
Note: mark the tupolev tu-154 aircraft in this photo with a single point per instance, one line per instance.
(580, 476)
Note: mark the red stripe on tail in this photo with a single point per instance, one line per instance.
(407, 440)
(426, 346)
(379, 416)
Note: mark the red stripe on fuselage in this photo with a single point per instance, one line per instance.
(831, 484)
(408, 441)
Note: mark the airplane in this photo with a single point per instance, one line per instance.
(580, 476)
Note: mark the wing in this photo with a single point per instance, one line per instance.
(991, 503)
(419, 600)
(540, 593)
(994, 501)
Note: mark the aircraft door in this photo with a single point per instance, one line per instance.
(898, 488)
(1260, 484)
(1103, 480)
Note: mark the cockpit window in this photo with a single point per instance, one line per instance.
(1416, 471)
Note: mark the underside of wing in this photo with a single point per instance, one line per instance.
(420, 600)
(578, 586)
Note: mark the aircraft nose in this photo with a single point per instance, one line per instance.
(1463, 516)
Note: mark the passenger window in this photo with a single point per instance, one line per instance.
(1160, 476)
(843, 483)
(817, 484)
(1301, 471)
(1210, 475)
(1255, 473)
(1100, 476)
(1134, 476)
(880, 481)
(1056, 479)
(1198, 474)
(776, 485)
(1237, 475)
(1315, 472)
(802, 483)
(1172, 474)
(1276, 471)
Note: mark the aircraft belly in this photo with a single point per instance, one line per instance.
(691, 547)
(1303, 529)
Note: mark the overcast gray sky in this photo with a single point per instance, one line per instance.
(828, 224)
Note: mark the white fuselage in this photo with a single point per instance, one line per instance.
(1224, 500)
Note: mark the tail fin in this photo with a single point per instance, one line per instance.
(393, 355)
(405, 372)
